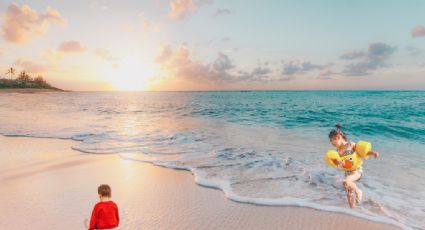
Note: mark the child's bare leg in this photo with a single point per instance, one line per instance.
(350, 198)
(358, 196)
(350, 186)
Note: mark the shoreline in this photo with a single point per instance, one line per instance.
(29, 90)
(169, 196)
(36, 90)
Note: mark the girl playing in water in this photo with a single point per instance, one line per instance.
(345, 147)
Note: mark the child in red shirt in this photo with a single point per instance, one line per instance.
(105, 213)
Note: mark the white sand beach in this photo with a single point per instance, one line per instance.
(47, 185)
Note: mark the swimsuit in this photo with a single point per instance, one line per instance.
(349, 151)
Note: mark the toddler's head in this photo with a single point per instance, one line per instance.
(104, 191)
(337, 137)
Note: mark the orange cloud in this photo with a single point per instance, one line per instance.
(179, 65)
(418, 31)
(22, 24)
(71, 47)
(181, 8)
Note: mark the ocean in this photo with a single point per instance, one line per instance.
(261, 147)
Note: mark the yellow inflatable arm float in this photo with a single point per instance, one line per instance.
(349, 162)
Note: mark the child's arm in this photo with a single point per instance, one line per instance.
(373, 153)
(93, 220)
(370, 153)
(353, 146)
(337, 162)
(86, 223)
(118, 216)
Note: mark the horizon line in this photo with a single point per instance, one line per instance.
(243, 90)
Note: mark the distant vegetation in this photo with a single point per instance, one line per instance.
(23, 80)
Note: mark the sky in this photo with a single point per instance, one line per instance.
(176, 45)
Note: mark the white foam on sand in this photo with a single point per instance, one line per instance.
(200, 178)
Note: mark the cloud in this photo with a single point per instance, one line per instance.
(30, 66)
(418, 31)
(380, 51)
(178, 64)
(165, 53)
(71, 47)
(326, 75)
(222, 12)
(22, 24)
(258, 74)
(375, 58)
(261, 70)
(348, 55)
(182, 8)
(222, 63)
(298, 67)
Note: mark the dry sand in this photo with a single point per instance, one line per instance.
(46, 185)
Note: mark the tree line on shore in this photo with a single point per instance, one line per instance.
(22, 80)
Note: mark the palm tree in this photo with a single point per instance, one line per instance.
(40, 82)
(11, 71)
(24, 77)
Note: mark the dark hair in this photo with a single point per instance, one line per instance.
(337, 131)
(104, 190)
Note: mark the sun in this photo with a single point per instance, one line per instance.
(130, 74)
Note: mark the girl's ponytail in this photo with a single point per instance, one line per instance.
(338, 126)
(337, 131)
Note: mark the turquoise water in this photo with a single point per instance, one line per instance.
(385, 114)
(262, 147)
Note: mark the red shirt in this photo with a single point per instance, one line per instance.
(104, 216)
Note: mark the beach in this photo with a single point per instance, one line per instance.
(247, 123)
(47, 185)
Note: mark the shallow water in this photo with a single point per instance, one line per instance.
(262, 147)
